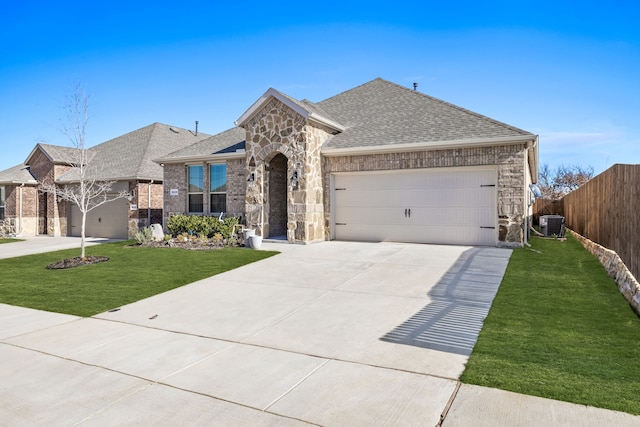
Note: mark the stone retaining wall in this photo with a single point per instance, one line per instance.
(618, 271)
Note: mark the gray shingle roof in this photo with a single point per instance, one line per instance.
(130, 156)
(18, 174)
(57, 154)
(383, 113)
(225, 142)
(377, 113)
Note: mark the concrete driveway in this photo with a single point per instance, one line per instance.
(336, 333)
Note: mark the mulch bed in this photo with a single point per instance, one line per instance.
(76, 262)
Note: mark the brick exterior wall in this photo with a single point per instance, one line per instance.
(175, 178)
(509, 159)
(20, 222)
(236, 186)
(146, 214)
(51, 214)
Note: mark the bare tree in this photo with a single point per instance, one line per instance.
(555, 184)
(84, 189)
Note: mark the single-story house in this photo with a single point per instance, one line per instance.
(379, 162)
(126, 161)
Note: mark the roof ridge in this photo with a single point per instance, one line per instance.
(353, 88)
(154, 127)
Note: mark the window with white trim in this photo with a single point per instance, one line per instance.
(195, 177)
(218, 188)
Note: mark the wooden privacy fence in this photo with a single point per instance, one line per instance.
(606, 211)
(547, 207)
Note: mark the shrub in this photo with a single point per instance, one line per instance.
(144, 236)
(201, 225)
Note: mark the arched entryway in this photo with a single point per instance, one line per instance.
(278, 197)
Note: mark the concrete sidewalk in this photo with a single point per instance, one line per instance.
(42, 244)
(336, 333)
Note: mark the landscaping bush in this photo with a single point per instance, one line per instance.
(201, 225)
(144, 236)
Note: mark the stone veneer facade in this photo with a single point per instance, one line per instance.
(18, 221)
(277, 129)
(510, 161)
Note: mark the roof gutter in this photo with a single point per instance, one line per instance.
(203, 158)
(429, 146)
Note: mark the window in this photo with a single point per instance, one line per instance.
(1, 202)
(218, 188)
(196, 188)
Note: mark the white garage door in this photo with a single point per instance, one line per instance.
(109, 220)
(447, 206)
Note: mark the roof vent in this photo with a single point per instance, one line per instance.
(196, 128)
(415, 86)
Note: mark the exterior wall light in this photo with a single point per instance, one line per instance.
(252, 177)
(294, 178)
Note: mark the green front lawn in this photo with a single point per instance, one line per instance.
(559, 328)
(8, 240)
(132, 273)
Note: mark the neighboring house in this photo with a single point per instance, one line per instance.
(379, 162)
(126, 160)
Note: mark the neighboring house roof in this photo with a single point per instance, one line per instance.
(19, 174)
(230, 143)
(130, 156)
(56, 154)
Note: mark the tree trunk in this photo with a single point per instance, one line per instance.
(84, 220)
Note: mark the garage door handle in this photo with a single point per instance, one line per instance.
(482, 226)
(409, 212)
(405, 213)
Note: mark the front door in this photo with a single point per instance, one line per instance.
(278, 197)
(42, 213)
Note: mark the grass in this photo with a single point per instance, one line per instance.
(8, 240)
(132, 273)
(559, 328)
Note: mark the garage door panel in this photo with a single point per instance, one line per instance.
(109, 220)
(445, 216)
(380, 216)
(350, 197)
(450, 235)
(413, 197)
(455, 206)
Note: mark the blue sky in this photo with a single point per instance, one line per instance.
(567, 71)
